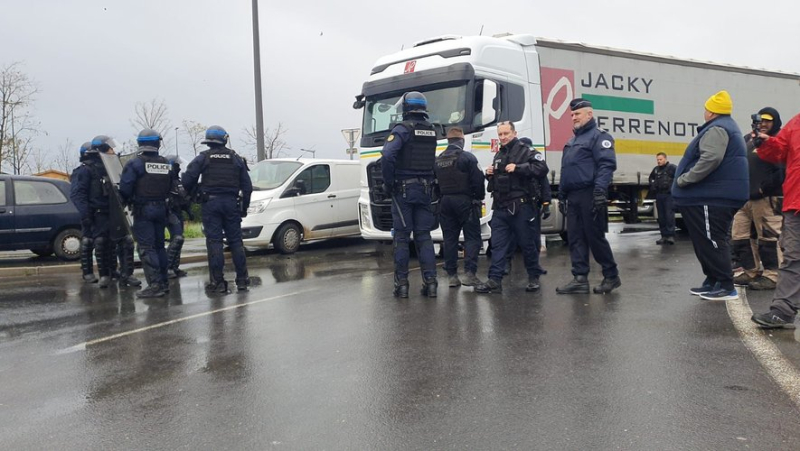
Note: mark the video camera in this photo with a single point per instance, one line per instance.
(756, 125)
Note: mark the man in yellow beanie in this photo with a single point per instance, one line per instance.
(711, 185)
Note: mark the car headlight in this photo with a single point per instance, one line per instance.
(259, 206)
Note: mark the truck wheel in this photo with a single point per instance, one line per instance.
(67, 245)
(287, 238)
(43, 252)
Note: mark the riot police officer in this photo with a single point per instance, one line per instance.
(407, 164)
(87, 242)
(145, 183)
(461, 186)
(225, 192)
(587, 166)
(514, 206)
(177, 202)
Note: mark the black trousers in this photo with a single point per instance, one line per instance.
(666, 214)
(708, 228)
(586, 229)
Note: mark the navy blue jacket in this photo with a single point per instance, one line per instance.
(468, 163)
(192, 174)
(389, 157)
(588, 161)
(81, 185)
(728, 184)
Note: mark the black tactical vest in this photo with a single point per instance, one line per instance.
(220, 170)
(98, 172)
(450, 178)
(155, 182)
(419, 153)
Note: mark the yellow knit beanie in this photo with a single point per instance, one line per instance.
(720, 103)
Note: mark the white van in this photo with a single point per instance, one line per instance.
(302, 199)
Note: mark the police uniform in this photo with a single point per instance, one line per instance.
(515, 212)
(89, 192)
(225, 176)
(407, 164)
(462, 188)
(87, 242)
(145, 183)
(177, 202)
(587, 166)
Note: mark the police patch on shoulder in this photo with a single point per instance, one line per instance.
(390, 138)
(539, 157)
(606, 144)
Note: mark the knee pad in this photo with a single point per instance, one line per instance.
(87, 242)
(401, 237)
(177, 239)
(420, 237)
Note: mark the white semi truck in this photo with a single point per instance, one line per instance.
(649, 103)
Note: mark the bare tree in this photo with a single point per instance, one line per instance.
(196, 132)
(39, 161)
(152, 114)
(274, 143)
(66, 158)
(17, 93)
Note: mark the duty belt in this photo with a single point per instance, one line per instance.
(411, 181)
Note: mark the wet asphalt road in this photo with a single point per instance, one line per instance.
(322, 357)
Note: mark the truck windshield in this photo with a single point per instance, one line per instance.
(446, 106)
(270, 174)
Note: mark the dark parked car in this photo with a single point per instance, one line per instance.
(37, 214)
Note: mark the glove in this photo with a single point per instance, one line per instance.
(545, 211)
(562, 207)
(600, 200)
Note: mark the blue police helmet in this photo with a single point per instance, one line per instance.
(102, 143)
(149, 138)
(216, 135)
(85, 147)
(414, 102)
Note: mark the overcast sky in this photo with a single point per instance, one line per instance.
(95, 59)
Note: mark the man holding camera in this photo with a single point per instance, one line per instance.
(514, 207)
(761, 212)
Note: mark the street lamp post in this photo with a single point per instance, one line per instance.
(177, 155)
(312, 152)
(257, 75)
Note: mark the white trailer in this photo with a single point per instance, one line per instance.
(649, 103)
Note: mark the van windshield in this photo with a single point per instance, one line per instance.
(446, 106)
(270, 174)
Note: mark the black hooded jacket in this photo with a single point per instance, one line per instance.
(765, 178)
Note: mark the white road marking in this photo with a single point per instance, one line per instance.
(779, 368)
(84, 345)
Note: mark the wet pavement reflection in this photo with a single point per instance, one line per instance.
(319, 355)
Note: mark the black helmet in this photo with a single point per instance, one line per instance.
(216, 135)
(414, 102)
(149, 138)
(102, 144)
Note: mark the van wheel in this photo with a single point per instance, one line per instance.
(287, 238)
(67, 245)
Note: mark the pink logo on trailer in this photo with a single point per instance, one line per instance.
(410, 66)
(558, 89)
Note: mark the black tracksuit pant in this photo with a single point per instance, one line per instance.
(708, 227)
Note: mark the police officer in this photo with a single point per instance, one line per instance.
(514, 208)
(542, 196)
(87, 242)
(145, 183)
(407, 164)
(178, 202)
(225, 192)
(587, 165)
(90, 193)
(461, 185)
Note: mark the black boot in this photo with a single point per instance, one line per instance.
(490, 286)
(429, 287)
(243, 284)
(533, 284)
(608, 284)
(153, 291)
(578, 285)
(217, 287)
(400, 288)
